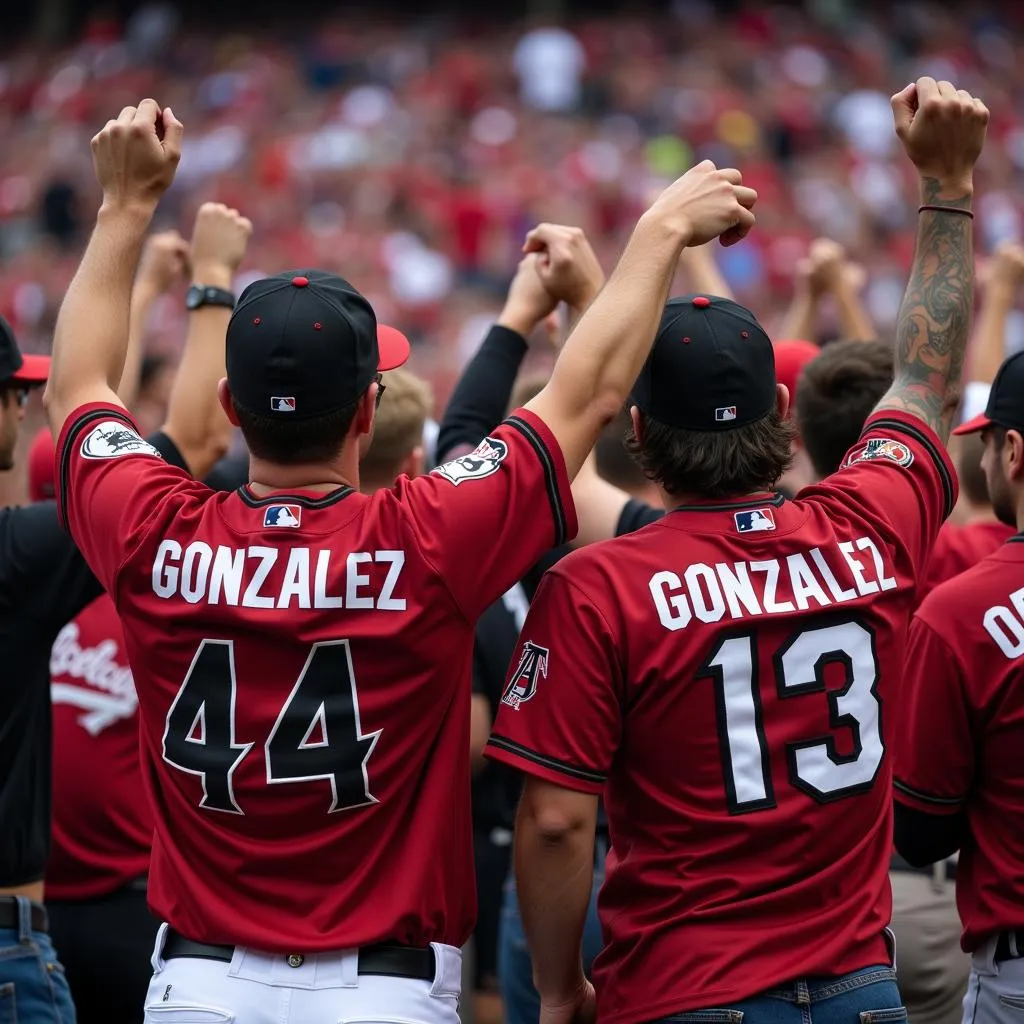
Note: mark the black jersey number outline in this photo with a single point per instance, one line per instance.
(317, 735)
(815, 766)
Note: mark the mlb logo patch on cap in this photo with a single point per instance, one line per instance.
(283, 515)
(755, 520)
(725, 413)
(282, 404)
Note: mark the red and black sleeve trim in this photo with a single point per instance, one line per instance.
(551, 763)
(926, 440)
(550, 476)
(941, 801)
(64, 455)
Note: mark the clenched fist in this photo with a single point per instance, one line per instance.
(219, 240)
(135, 156)
(164, 261)
(566, 263)
(1005, 269)
(707, 203)
(942, 128)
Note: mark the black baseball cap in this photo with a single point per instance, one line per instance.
(1005, 406)
(28, 371)
(305, 343)
(712, 367)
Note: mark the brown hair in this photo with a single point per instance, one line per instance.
(398, 425)
(968, 467)
(295, 442)
(715, 464)
(836, 393)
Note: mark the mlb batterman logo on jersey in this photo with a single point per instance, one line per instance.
(755, 520)
(533, 663)
(283, 515)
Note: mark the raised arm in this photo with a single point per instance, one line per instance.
(701, 273)
(999, 281)
(605, 353)
(943, 131)
(195, 420)
(135, 158)
(164, 262)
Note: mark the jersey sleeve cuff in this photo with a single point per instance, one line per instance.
(541, 766)
(910, 796)
(82, 418)
(923, 435)
(559, 487)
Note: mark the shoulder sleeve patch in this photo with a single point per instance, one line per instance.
(882, 448)
(113, 438)
(483, 461)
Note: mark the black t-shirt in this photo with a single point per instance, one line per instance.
(496, 788)
(44, 582)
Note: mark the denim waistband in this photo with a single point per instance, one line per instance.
(817, 990)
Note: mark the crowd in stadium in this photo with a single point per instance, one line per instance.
(505, 196)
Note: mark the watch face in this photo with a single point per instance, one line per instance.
(193, 297)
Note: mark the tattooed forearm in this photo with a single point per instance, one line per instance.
(934, 320)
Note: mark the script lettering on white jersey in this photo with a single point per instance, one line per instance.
(1005, 624)
(802, 580)
(109, 695)
(238, 577)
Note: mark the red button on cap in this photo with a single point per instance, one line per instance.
(300, 282)
(701, 302)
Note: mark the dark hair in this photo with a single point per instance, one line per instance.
(153, 364)
(294, 442)
(968, 467)
(715, 464)
(835, 394)
(614, 461)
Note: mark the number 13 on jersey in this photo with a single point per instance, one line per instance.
(815, 766)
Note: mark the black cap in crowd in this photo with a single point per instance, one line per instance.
(712, 367)
(1005, 400)
(305, 343)
(15, 368)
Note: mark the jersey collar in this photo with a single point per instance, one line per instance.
(774, 498)
(307, 500)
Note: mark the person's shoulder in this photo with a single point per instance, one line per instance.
(957, 598)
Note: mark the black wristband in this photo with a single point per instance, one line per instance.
(945, 209)
(200, 295)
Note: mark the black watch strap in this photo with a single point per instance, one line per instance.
(207, 295)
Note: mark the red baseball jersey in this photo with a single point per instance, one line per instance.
(721, 677)
(302, 663)
(102, 823)
(957, 548)
(960, 748)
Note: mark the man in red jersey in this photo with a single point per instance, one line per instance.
(959, 784)
(102, 823)
(722, 676)
(302, 651)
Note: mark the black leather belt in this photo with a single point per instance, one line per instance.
(899, 864)
(391, 960)
(1010, 945)
(9, 915)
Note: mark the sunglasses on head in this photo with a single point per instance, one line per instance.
(381, 388)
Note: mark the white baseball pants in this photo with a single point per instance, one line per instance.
(262, 988)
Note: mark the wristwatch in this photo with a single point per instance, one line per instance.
(206, 295)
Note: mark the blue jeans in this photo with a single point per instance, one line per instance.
(515, 969)
(33, 989)
(869, 996)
